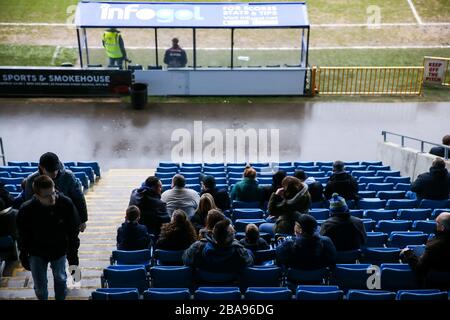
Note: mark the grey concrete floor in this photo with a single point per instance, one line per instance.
(110, 132)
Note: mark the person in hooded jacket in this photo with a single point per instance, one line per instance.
(153, 210)
(308, 250)
(346, 232)
(221, 197)
(131, 235)
(288, 203)
(220, 253)
(342, 183)
(433, 185)
(65, 183)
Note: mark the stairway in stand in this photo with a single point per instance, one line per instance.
(107, 201)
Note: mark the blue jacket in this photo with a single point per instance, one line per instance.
(132, 236)
(207, 255)
(307, 253)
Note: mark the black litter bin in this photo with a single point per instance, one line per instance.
(138, 95)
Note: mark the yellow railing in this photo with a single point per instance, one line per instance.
(447, 76)
(367, 80)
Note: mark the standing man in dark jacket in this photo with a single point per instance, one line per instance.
(153, 210)
(342, 183)
(221, 197)
(48, 226)
(433, 185)
(436, 257)
(346, 232)
(175, 57)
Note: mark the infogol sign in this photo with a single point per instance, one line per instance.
(175, 15)
(435, 70)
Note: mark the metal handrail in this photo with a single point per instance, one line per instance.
(422, 142)
(2, 152)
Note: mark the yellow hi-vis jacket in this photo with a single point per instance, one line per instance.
(111, 44)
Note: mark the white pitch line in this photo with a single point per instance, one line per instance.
(55, 55)
(414, 11)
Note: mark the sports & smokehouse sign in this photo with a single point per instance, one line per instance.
(63, 82)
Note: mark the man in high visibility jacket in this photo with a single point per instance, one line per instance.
(175, 57)
(114, 46)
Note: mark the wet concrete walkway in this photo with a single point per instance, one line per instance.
(110, 132)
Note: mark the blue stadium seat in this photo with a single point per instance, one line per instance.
(115, 294)
(351, 276)
(18, 164)
(387, 226)
(369, 224)
(22, 175)
(323, 180)
(369, 179)
(425, 226)
(418, 249)
(268, 293)
(414, 214)
(403, 239)
(372, 295)
(214, 278)
(350, 256)
(357, 213)
(372, 163)
(401, 204)
(235, 175)
(191, 165)
(191, 175)
(136, 257)
(168, 164)
(217, 293)
(13, 181)
(397, 276)
(370, 203)
(236, 170)
(352, 168)
(171, 277)
(168, 257)
(380, 255)
(434, 204)
(184, 170)
(93, 164)
(84, 179)
(318, 293)
(69, 164)
(167, 294)
(264, 256)
(304, 163)
(259, 164)
(387, 173)
(403, 186)
(171, 170)
(247, 214)
(267, 228)
(295, 277)
(88, 170)
(437, 212)
(376, 239)
(285, 168)
(258, 276)
(126, 277)
(380, 214)
(5, 174)
(320, 214)
(324, 163)
(10, 188)
(364, 173)
(10, 169)
(351, 163)
(233, 181)
(245, 204)
(195, 187)
(387, 195)
(367, 194)
(327, 169)
(396, 180)
(240, 224)
(165, 175)
(422, 295)
(380, 187)
(214, 169)
(378, 168)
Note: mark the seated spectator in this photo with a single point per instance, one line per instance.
(276, 184)
(132, 235)
(346, 232)
(342, 183)
(8, 215)
(252, 240)
(247, 189)
(178, 234)
(221, 197)
(199, 218)
(212, 218)
(288, 203)
(440, 151)
(308, 250)
(148, 199)
(315, 188)
(219, 253)
(436, 257)
(180, 197)
(433, 185)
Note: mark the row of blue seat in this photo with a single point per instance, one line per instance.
(303, 293)
(265, 164)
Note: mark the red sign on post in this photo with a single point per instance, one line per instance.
(434, 70)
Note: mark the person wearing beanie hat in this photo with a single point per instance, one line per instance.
(308, 250)
(346, 232)
(221, 197)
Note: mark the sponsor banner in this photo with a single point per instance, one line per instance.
(435, 69)
(176, 15)
(63, 82)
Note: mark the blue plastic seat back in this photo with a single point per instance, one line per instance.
(132, 257)
(241, 224)
(209, 277)
(318, 293)
(168, 257)
(218, 293)
(167, 294)
(131, 278)
(115, 294)
(426, 226)
(370, 203)
(268, 276)
(376, 239)
(268, 293)
(403, 186)
(351, 276)
(414, 214)
(380, 186)
(372, 295)
(296, 276)
(245, 204)
(93, 164)
(401, 240)
(168, 164)
(349, 256)
(397, 276)
(434, 204)
(248, 214)
(171, 277)
(387, 195)
(380, 255)
(320, 214)
(401, 204)
(421, 295)
(437, 212)
(380, 214)
(387, 226)
(262, 256)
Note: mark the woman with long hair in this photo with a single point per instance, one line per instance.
(178, 234)
(206, 203)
